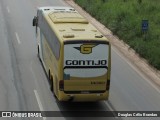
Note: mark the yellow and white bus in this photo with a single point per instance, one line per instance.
(75, 55)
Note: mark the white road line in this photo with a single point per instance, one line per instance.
(157, 89)
(136, 69)
(133, 67)
(36, 93)
(8, 10)
(17, 37)
(110, 108)
(39, 102)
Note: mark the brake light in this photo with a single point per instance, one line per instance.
(108, 85)
(61, 85)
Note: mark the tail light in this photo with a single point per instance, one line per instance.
(61, 85)
(108, 85)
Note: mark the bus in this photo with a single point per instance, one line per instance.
(75, 55)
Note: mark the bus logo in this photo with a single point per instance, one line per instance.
(85, 48)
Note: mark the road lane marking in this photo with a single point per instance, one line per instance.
(136, 70)
(153, 85)
(36, 93)
(39, 102)
(8, 10)
(128, 62)
(17, 37)
(110, 108)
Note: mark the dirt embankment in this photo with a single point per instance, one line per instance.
(140, 63)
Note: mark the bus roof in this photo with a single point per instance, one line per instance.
(68, 24)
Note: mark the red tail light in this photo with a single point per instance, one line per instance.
(108, 85)
(61, 85)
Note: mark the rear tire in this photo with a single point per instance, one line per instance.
(50, 80)
(51, 87)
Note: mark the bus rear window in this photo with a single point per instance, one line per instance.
(85, 60)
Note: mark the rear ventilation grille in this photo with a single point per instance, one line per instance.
(68, 36)
(78, 29)
(67, 17)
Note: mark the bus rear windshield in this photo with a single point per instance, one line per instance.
(85, 60)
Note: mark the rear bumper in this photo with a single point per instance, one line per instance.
(83, 97)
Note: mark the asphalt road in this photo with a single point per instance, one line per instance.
(23, 83)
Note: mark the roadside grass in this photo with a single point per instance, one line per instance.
(124, 19)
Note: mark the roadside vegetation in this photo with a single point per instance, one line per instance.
(124, 19)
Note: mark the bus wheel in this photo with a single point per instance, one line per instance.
(50, 80)
(51, 86)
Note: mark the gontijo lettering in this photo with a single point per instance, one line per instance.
(86, 62)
